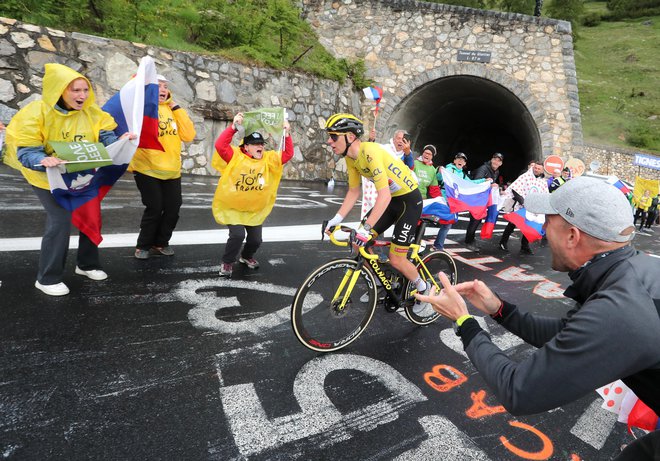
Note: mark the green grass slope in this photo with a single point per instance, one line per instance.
(618, 69)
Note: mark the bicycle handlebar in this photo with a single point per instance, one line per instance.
(351, 238)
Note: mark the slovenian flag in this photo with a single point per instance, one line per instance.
(438, 208)
(464, 195)
(491, 217)
(530, 224)
(373, 93)
(616, 182)
(135, 106)
(82, 192)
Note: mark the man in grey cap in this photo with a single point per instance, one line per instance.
(611, 333)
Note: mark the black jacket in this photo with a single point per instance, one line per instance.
(611, 334)
(486, 171)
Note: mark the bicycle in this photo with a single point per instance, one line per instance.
(337, 300)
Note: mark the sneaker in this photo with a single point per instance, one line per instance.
(649, 230)
(165, 251)
(364, 298)
(94, 274)
(141, 254)
(503, 246)
(526, 251)
(225, 270)
(251, 262)
(58, 289)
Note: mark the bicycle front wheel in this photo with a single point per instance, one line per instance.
(334, 305)
(434, 262)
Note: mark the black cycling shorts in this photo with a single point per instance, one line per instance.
(404, 212)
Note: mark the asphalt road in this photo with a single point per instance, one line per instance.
(166, 360)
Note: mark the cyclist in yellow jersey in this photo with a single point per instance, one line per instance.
(398, 199)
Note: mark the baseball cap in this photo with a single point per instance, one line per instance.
(498, 155)
(253, 138)
(590, 204)
(160, 78)
(460, 155)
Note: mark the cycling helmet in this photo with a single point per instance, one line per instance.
(344, 123)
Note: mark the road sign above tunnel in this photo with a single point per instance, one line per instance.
(552, 163)
(473, 56)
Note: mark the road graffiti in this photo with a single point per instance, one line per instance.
(254, 432)
(204, 295)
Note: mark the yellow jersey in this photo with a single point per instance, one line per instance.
(376, 164)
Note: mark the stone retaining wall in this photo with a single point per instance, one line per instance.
(618, 162)
(210, 88)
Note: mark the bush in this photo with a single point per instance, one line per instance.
(633, 8)
(641, 136)
(591, 20)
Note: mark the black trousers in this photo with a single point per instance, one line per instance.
(162, 199)
(639, 214)
(508, 230)
(235, 241)
(472, 227)
(651, 218)
(55, 243)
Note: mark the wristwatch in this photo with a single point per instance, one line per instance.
(366, 227)
(459, 322)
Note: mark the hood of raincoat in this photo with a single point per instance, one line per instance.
(56, 78)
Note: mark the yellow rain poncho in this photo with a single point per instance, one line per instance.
(174, 126)
(39, 122)
(247, 189)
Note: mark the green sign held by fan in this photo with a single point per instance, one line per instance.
(81, 155)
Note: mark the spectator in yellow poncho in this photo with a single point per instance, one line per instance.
(66, 112)
(158, 176)
(246, 191)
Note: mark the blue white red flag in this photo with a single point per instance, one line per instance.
(373, 93)
(438, 208)
(616, 182)
(491, 218)
(133, 110)
(464, 195)
(82, 192)
(135, 106)
(530, 224)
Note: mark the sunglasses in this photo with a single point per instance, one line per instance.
(335, 136)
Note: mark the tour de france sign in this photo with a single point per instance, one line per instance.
(647, 161)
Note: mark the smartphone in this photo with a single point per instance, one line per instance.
(407, 137)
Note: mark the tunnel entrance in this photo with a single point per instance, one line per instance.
(471, 115)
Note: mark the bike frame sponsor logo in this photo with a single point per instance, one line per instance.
(381, 275)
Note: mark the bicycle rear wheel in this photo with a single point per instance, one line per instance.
(436, 261)
(328, 313)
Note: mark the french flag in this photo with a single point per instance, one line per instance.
(82, 192)
(616, 182)
(464, 195)
(438, 208)
(530, 224)
(491, 216)
(373, 93)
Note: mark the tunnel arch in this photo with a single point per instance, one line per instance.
(474, 114)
